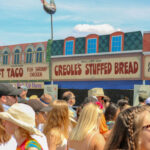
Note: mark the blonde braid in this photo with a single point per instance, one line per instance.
(130, 124)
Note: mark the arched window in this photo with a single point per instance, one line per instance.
(16, 56)
(5, 58)
(29, 55)
(69, 46)
(39, 55)
(116, 42)
(92, 44)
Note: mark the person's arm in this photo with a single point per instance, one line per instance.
(53, 139)
(106, 134)
(51, 142)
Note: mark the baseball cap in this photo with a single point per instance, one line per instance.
(148, 101)
(38, 106)
(8, 89)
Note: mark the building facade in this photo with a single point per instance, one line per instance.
(115, 62)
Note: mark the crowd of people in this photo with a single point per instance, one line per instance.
(41, 123)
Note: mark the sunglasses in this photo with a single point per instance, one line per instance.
(146, 127)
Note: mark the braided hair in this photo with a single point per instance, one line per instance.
(129, 120)
(126, 131)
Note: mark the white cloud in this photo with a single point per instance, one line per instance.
(98, 29)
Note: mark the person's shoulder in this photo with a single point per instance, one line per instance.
(98, 136)
(98, 141)
(54, 133)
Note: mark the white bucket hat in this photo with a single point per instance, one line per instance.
(23, 116)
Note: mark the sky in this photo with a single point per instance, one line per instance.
(25, 21)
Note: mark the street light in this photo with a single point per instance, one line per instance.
(50, 8)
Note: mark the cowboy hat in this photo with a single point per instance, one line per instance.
(21, 115)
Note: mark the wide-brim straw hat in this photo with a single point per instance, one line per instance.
(96, 92)
(23, 116)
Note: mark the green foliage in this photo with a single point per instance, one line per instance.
(48, 55)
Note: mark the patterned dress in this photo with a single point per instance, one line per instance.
(29, 143)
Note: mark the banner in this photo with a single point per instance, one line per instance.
(30, 85)
(51, 89)
(140, 89)
(146, 67)
(24, 72)
(118, 68)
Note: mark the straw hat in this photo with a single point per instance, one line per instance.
(96, 92)
(23, 116)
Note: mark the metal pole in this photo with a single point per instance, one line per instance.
(51, 27)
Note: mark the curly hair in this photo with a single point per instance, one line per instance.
(58, 120)
(4, 137)
(126, 131)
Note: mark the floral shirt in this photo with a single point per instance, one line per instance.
(28, 144)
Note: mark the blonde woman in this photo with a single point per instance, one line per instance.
(56, 127)
(6, 141)
(86, 134)
(19, 121)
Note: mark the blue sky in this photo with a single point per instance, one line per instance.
(24, 21)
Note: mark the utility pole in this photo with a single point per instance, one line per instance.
(50, 8)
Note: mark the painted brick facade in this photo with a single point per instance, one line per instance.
(146, 42)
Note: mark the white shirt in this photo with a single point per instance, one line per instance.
(41, 140)
(10, 145)
(6, 107)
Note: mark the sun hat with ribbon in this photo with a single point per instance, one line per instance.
(23, 116)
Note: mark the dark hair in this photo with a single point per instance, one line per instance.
(122, 102)
(126, 131)
(67, 95)
(110, 112)
(142, 99)
(89, 99)
(106, 99)
(78, 111)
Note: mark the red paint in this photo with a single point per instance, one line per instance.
(15, 72)
(65, 70)
(2, 72)
(126, 67)
(146, 42)
(98, 68)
